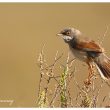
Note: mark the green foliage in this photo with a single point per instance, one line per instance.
(63, 96)
(42, 100)
(86, 102)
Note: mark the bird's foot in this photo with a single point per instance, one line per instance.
(87, 82)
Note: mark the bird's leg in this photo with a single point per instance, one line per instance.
(91, 73)
(90, 70)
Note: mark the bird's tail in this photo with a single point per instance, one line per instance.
(103, 66)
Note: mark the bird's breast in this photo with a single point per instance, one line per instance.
(81, 55)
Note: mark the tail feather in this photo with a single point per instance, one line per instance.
(103, 66)
(105, 71)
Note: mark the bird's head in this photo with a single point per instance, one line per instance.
(69, 33)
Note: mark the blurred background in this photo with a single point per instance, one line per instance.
(25, 27)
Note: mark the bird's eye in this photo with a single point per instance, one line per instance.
(68, 33)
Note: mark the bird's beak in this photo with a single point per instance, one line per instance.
(59, 34)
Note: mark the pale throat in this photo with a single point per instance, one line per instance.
(67, 38)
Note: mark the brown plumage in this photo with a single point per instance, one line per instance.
(90, 46)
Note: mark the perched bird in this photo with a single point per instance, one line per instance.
(87, 50)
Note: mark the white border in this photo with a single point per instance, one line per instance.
(54, 1)
(55, 108)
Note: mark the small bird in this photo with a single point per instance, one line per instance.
(87, 50)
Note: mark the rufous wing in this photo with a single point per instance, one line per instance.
(89, 46)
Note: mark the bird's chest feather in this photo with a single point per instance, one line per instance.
(81, 55)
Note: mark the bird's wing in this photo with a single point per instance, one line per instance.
(89, 46)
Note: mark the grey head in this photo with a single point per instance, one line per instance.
(69, 34)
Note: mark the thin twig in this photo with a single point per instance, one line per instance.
(54, 95)
(70, 99)
(41, 60)
(103, 101)
(102, 39)
(53, 63)
(95, 98)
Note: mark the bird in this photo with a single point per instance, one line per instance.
(87, 50)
